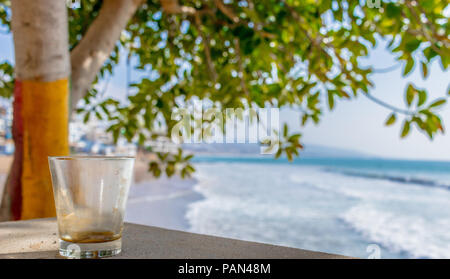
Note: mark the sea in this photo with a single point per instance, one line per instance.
(359, 207)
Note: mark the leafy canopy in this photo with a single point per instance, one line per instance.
(249, 54)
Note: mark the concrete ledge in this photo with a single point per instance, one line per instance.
(38, 238)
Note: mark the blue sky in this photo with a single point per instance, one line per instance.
(357, 124)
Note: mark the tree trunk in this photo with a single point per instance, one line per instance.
(97, 44)
(42, 69)
(11, 204)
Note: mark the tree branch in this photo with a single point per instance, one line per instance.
(388, 106)
(173, 7)
(423, 30)
(226, 11)
(316, 42)
(241, 66)
(205, 40)
(386, 70)
(97, 44)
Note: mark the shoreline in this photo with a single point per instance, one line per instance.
(162, 202)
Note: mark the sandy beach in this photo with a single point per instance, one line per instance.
(158, 202)
(162, 202)
(5, 163)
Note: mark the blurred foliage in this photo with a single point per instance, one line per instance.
(6, 80)
(5, 16)
(171, 164)
(6, 70)
(301, 54)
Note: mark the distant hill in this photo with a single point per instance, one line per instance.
(248, 149)
(313, 150)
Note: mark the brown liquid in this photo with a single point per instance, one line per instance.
(91, 237)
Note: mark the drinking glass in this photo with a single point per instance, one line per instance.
(90, 197)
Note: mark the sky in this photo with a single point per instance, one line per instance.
(356, 124)
(359, 124)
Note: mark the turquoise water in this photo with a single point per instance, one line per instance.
(327, 204)
(359, 163)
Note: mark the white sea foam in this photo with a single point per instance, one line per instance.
(309, 207)
(414, 235)
(154, 198)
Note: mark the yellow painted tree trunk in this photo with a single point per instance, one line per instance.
(45, 118)
(42, 69)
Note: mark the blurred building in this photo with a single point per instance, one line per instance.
(84, 138)
(6, 117)
(92, 138)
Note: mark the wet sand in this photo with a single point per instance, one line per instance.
(161, 202)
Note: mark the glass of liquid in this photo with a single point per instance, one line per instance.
(90, 197)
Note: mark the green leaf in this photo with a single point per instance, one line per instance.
(408, 67)
(422, 97)
(304, 119)
(170, 170)
(393, 11)
(424, 70)
(285, 36)
(406, 129)
(410, 93)
(445, 61)
(188, 157)
(412, 45)
(289, 155)
(141, 139)
(437, 103)
(98, 115)
(429, 53)
(156, 172)
(279, 152)
(294, 137)
(86, 117)
(330, 100)
(391, 119)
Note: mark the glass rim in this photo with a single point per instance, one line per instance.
(89, 157)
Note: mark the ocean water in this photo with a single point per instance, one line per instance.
(343, 206)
